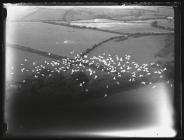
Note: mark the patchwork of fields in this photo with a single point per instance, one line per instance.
(70, 42)
(137, 26)
(60, 40)
(77, 70)
(136, 47)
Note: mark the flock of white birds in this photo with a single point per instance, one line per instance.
(119, 68)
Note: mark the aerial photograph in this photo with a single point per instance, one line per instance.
(89, 71)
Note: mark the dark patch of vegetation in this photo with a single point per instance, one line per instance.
(46, 97)
(166, 56)
(156, 25)
(54, 96)
(168, 49)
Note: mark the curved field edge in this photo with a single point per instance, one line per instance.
(122, 38)
(165, 52)
(64, 40)
(168, 40)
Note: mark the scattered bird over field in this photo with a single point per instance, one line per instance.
(117, 68)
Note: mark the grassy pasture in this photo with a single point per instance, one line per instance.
(59, 40)
(142, 49)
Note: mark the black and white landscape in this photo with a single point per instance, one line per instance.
(90, 71)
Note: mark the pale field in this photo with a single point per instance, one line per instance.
(134, 26)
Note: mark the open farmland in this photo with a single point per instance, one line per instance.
(73, 71)
(61, 40)
(134, 46)
(70, 13)
(137, 26)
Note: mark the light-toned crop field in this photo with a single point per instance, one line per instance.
(136, 26)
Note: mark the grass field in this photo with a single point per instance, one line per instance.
(60, 40)
(136, 47)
